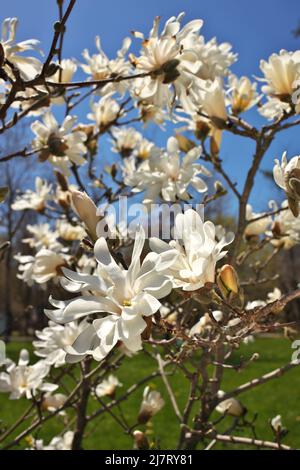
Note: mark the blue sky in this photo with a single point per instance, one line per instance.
(255, 29)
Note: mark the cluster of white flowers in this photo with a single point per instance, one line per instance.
(129, 297)
(23, 379)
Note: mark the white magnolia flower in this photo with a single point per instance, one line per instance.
(274, 295)
(86, 210)
(24, 380)
(63, 442)
(205, 322)
(48, 265)
(231, 406)
(286, 228)
(29, 66)
(67, 69)
(107, 387)
(53, 340)
(257, 227)
(42, 237)
(104, 112)
(35, 200)
(192, 256)
(170, 65)
(100, 67)
(126, 296)
(243, 94)
(281, 74)
(144, 149)
(151, 404)
(59, 144)
(166, 174)
(215, 59)
(126, 139)
(273, 108)
(213, 101)
(51, 402)
(287, 176)
(68, 231)
(44, 266)
(276, 423)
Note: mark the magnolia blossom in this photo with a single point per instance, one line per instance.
(63, 442)
(68, 231)
(211, 100)
(107, 387)
(151, 404)
(104, 112)
(100, 67)
(53, 340)
(287, 176)
(144, 149)
(285, 228)
(257, 227)
(167, 62)
(165, 174)
(125, 140)
(44, 266)
(29, 66)
(205, 323)
(59, 144)
(24, 380)
(52, 402)
(276, 423)
(35, 200)
(273, 109)
(243, 94)
(42, 237)
(231, 406)
(124, 298)
(192, 256)
(86, 210)
(281, 74)
(272, 296)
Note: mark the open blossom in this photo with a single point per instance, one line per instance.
(44, 266)
(63, 442)
(273, 109)
(205, 323)
(68, 231)
(213, 101)
(192, 256)
(243, 94)
(59, 144)
(104, 112)
(125, 140)
(166, 174)
(29, 66)
(124, 298)
(53, 401)
(35, 200)
(257, 227)
(42, 237)
(53, 340)
(287, 176)
(107, 387)
(169, 64)
(281, 73)
(151, 404)
(100, 67)
(285, 230)
(24, 380)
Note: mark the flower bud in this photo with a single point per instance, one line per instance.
(227, 280)
(140, 440)
(86, 211)
(232, 407)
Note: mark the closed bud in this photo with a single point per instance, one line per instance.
(140, 440)
(227, 280)
(86, 211)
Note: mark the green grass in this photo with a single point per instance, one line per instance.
(280, 396)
